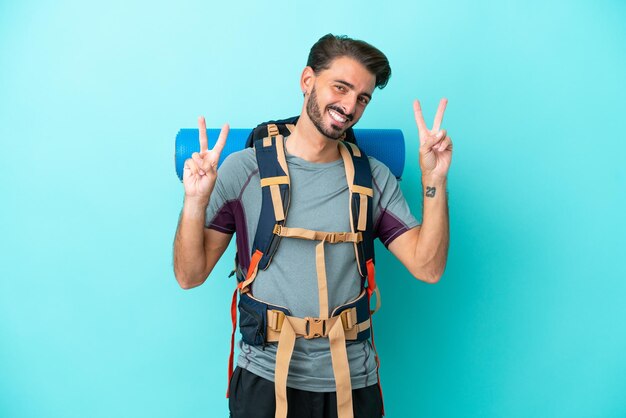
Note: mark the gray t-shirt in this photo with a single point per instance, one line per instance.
(319, 201)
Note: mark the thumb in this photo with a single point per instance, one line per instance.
(433, 139)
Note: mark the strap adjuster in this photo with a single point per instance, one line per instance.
(275, 320)
(315, 328)
(277, 229)
(348, 318)
(272, 130)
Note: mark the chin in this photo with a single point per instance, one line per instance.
(336, 135)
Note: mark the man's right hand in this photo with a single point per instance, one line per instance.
(200, 170)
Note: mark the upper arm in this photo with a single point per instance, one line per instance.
(403, 247)
(215, 243)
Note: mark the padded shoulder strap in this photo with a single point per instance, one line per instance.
(275, 185)
(270, 156)
(359, 177)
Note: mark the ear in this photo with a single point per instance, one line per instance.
(307, 79)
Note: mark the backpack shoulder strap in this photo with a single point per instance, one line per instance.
(275, 183)
(359, 177)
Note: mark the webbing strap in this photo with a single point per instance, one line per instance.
(362, 224)
(252, 271)
(348, 164)
(329, 237)
(231, 358)
(284, 351)
(268, 181)
(380, 388)
(306, 327)
(378, 301)
(277, 201)
(341, 370)
(371, 285)
(355, 150)
(362, 190)
(280, 154)
(371, 276)
(349, 167)
(322, 284)
(341, 367)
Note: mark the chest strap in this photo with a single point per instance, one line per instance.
(329, 237)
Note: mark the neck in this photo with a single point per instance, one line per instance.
(308, 143)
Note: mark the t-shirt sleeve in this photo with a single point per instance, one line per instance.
(392, 216)
(220, 215)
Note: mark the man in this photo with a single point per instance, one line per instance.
(338, 83)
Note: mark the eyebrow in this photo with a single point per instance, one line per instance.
(369, 96)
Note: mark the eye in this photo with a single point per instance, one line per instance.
(341, 88)
(364, 100)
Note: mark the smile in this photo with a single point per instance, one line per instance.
(337, 116)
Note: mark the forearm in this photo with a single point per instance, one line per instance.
(431, 251)
(189, 251)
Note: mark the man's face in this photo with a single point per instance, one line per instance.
(339, 96)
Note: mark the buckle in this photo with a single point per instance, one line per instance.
(315, 328)
(277, 229)
(337, 237)
(276, 321)
(347, 318)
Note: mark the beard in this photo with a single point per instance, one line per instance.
(315, 115)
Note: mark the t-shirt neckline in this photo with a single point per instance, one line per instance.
(292, 159)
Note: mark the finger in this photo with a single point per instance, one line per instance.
(434, 140)
(203, 138)
(191, 166)
(221, 140)
(200, 162)
(439, 115)
(445, 144)
(419, 117)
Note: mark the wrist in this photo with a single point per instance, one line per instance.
(434, 180)
(194, 206)
(434, 186)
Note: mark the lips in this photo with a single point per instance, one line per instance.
(337, 117)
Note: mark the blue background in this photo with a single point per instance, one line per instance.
(528, 320)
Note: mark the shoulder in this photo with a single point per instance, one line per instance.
(239, 163)
(378, 169)
(382, 176)
(235, 171)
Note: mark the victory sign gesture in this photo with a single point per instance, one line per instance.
(435, 144)
(200, 170)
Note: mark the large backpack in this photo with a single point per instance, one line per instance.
(261, 322)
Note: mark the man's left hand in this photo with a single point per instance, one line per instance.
(435, 144)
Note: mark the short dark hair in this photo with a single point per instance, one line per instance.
(329, 47)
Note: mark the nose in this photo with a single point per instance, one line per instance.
(348, 104)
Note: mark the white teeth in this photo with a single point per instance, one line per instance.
(336, 116)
